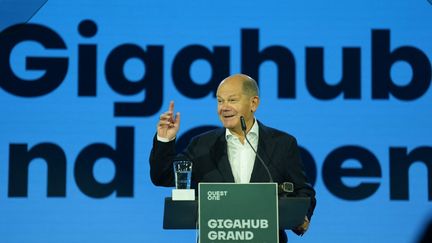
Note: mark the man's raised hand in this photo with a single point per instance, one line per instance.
(168, 125)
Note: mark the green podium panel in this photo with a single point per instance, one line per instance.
(230, 212)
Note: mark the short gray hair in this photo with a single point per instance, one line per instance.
(250, 86)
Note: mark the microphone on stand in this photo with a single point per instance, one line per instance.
(243, 127)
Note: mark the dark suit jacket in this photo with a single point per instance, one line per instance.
(208, 152)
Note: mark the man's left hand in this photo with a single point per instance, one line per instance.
(301, 229)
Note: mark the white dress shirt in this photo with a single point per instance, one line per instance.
(241, 156)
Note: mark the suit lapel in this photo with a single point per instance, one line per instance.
(221, 158)
(265, 149)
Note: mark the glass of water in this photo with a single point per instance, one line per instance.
(183, 174)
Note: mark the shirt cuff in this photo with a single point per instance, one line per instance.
(164, 140)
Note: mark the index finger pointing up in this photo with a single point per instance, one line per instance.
(171, 106)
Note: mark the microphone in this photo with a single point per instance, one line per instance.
(243, 127)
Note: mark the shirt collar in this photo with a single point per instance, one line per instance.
(254, 131)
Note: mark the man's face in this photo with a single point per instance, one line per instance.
(233, 103)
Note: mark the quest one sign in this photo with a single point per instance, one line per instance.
(238, 212)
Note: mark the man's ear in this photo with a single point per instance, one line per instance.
(255, 102)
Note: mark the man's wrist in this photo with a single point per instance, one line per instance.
(164, 140)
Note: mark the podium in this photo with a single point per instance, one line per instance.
(184, 214)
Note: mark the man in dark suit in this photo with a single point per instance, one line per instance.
(223, 155)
